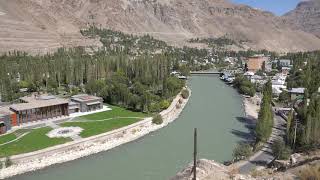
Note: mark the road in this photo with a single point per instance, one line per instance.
(264, 156)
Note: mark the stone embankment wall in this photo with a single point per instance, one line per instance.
(84, 147)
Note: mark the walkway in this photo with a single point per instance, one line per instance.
(264, 156)
(19, 137)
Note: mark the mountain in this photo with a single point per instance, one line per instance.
(41, 25)
(306, 17)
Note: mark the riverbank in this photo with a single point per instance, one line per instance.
(251, 107)
(84, 147)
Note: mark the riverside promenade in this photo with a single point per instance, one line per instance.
(87, 146)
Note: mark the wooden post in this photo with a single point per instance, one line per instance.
(195, 155)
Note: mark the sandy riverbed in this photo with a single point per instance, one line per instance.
(66, 152)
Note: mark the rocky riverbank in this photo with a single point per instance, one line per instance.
(77, 149)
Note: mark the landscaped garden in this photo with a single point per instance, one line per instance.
(35, 140)
(101, 122)
(114, 113)
(7, 138)
(92, 124)
(91, 128)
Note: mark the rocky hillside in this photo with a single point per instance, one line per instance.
(306, 17)
(40, 25)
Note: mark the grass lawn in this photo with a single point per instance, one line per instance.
(35, 140)
(115, 112)
(7, 138)
(94, 128)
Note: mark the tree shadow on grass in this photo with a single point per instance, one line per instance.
(247, 136)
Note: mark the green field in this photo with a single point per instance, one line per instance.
(98, 127)
(114, 113)
(92, 124)
(33, 141)
(7, 138)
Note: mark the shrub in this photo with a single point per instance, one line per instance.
(185, 93)
(180, 101)
(154, 107)
(164, 104)
(280, 150)
(310, 173)
(157, 119)
(242, 151)
(8, 162)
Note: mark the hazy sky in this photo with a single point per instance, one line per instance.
(278, 7)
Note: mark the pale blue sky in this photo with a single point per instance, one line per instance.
(278, 7)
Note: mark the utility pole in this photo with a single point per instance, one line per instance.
(195, 155)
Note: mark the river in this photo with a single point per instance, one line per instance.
(214, 108)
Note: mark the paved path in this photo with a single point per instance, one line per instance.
(264, 156)
(14, 139)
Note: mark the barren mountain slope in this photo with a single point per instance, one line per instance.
(25, 26)
(49, 21)
(306, 17)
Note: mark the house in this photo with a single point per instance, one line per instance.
(284, 63)
(278, 84)
(295, 93)
(285, 70)
(255, 63)
(88, 102)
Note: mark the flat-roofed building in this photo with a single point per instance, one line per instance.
(7, 119)
(255, 63)
(88, 102)
(35, 108)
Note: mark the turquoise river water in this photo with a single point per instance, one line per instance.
(214, 108)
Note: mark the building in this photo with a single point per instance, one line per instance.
(295, 93)
(285, 70)
(87, 102)
(285, 63)
(7, 119)
(35, 108)
(255, 63)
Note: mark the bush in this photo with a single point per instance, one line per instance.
(8, 162)
(154, 107)
(280, 150)
(164, 104)
(157, 119)
(242, 151)
(185, 93)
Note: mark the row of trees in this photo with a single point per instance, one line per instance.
(265, 118)
(304, 122)
(140, 84)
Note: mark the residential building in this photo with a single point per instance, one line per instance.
(255, 63)
(285, 70)
(295, 93)
(285, 63)
(88, 102)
